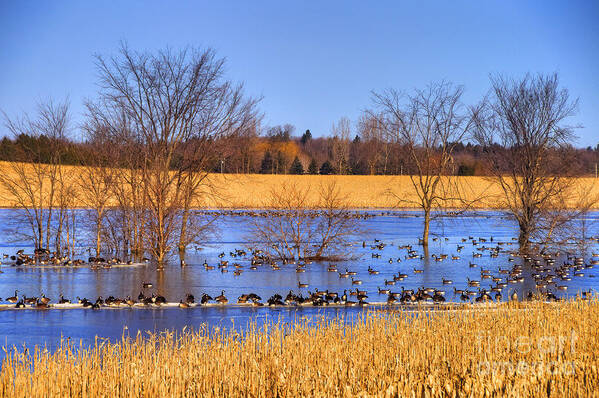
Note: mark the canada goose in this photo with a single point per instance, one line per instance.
(158, 299)
(243, 299)
(129, 301)
(221, 299)
(351, 273)
(20, 304)
(438, 297)
(14, 298)
(356, 281)
(41, 305)
(189, 299)
(344, 275)
(514, 296)
(498, 297)
(361, 294)
(372, 271)
(302, 285)
(44, 299)
(183, 305)
(383, 291)
(473, 283)
(147, 285)
(447, 281)
(205, 298)
(63, 300)
(237, 272)
(418, 271)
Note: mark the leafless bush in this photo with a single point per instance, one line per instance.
(302, 230)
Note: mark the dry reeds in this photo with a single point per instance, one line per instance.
(518, 350)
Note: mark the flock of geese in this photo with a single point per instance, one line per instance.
(550, 272)
(44, 257)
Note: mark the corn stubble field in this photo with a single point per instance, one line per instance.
(531, 349)
(235, 191)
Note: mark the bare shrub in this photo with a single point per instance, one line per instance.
(302, 230)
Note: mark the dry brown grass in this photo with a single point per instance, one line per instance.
(252, 190)
(531, 349)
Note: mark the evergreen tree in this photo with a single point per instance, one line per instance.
(267, 163)
(306, 137)
(327, 168)
(313, 167)
(281, 163)
(296, 167)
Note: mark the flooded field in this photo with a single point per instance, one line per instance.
(462, 252)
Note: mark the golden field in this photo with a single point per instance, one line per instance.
(253, 190)
(530, 349)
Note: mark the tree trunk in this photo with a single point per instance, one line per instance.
(98, 240)
(427, 221)
(183, 235)
(524, 237)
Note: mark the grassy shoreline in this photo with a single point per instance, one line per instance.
(547, 350)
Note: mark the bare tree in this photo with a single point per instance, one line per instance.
(429, 124)
(527, 117)
(341, 132)
(96, 180)
(36, 184)
(304, 229)
(170, 100)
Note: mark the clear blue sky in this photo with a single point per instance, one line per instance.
(313, 61)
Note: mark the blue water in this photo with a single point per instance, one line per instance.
(45, 327)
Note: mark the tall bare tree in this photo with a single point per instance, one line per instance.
(429, 124)
(341, 132)
(36, 184)
(527, 118)
(171, 99)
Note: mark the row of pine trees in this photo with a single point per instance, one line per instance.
(276, 165)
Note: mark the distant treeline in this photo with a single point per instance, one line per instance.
(278, 151)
